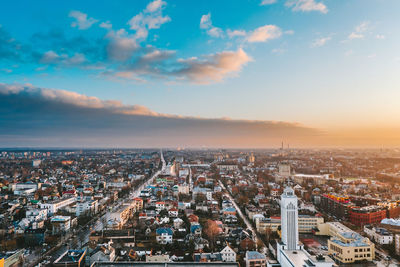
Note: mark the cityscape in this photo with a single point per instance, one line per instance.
(167, 133)
(276, 207)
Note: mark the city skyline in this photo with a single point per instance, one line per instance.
(246, 74)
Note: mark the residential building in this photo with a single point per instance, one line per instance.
(255, 259)
(60, 224)
(367, 215)
(164, 235)
(71, 258)
(379, 235)
(335, 205)
(228, 254)
(86, 207)
(53, 206)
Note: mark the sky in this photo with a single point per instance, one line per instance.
(249, 73)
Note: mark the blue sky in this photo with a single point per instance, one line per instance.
(325, 64)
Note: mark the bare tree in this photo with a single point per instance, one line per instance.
(211, 230)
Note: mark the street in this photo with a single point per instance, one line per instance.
(244, 218)
(81, 237)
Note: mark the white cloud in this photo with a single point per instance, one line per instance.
(145, 21)
(261, 34)
(150, 18)
(106, 25)
(205, 21)
(200, 70)
(320, 41)
(264, 34)
(236, 33)
(267, 2)
(380, 36)
(82, 21)
(355, 35)
(155, 5)
(362, 27)
(76, 59)
(215, 32)
(307, 5)
(206, 24)
(359, 31)
(214, 67)
(49, 57)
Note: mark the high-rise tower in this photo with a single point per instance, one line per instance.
(289, 252)
(289, 219)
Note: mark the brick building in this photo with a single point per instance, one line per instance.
(367, 215)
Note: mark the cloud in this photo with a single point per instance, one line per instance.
(359, 31)
(236, 33)
(50, 57)
(121, 45)
(106, 25)
(121, 54)
(82, 21)
(205, 21)
(152, 62)
(261, 34)
(264, 34)
(66, 119)
(267, 2)
(355, 35)
(213, 68)
(162, 64)
(380, 36)
(10, 49)
(71, 98)
(150, 18)
(307, 5)
(155, 5)
(320, 41)
(206, 24)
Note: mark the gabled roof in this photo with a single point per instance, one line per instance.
(164, 230)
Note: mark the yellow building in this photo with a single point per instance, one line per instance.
(268, 225)
(12, 259)
(306, 224)
(138, 204)
(346, 245)
(309, 223)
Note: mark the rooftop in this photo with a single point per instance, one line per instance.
(71, 256)
(168, 264)
(254, 255)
